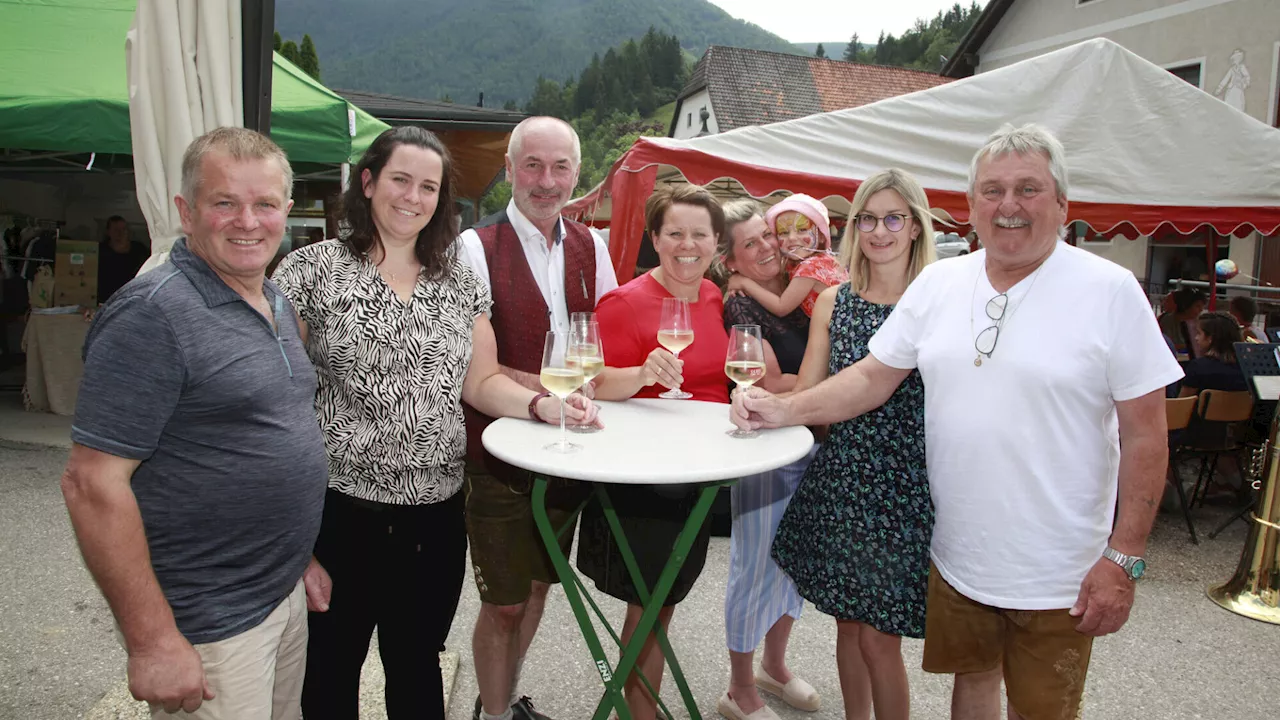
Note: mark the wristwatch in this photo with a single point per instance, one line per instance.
(533, 406)
(1132, 565)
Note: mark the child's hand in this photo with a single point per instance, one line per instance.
(735, 285)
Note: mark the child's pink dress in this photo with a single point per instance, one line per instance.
(823, 268)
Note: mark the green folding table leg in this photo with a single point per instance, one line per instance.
(678, 558)
(613, 698)
(653, 604)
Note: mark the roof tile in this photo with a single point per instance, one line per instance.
(756, 87)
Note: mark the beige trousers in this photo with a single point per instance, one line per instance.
(256, 675)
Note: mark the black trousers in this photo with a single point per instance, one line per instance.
(398, 568)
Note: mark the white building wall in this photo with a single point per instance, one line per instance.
(1165, 32)
(1128, 253)
(689, 124)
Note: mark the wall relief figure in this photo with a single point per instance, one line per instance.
(1234, 82)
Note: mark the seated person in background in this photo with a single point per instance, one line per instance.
(1176, 325)
(1244, 309)
(1215, 366)
(119, 259)
(803, 229)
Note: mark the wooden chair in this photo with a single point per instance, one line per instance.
(1178, 412)
(1212, 433)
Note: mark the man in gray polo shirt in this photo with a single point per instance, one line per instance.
(198, 471)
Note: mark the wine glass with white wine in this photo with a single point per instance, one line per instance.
(586, 351)
(744, 363)
(675, 333)
(560, 377)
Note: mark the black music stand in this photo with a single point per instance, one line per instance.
(1257, 360)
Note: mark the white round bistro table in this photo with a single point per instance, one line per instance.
(644, 442)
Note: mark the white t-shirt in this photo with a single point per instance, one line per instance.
(1023, 452)
(547, 265)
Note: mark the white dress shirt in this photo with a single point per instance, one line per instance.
(546, 264)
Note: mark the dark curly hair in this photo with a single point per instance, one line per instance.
(435, 245)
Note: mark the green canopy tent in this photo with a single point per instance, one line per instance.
(64, 89)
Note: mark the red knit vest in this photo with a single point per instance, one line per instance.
(520, 317)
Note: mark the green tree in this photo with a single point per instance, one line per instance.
(445, 98)
(510, 105)
(496, 199)
(548, 99)
(852, 50)
(289, 51)
(928, 41)
(309, 61)
(820, 52)
(275, 45)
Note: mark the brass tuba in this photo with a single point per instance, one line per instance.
(1254, 591)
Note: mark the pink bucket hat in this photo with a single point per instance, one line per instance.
(806, 206)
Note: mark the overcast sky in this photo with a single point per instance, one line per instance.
(828, 20)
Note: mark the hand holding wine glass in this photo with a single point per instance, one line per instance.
(744, 363)
(560, 377)
(675, 333)
(586, 353)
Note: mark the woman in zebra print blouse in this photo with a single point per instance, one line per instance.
(399, 334)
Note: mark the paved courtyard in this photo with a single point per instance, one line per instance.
(1179, 657)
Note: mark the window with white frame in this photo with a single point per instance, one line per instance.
(1189, 72)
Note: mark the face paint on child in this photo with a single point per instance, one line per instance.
(795, 232)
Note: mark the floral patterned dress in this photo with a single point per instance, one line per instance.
(855, 538)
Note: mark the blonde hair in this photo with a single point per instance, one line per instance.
(736, 212)
(922, 249)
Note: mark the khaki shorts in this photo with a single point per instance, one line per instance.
(256, 675)
(1044, 658)
(507, 552)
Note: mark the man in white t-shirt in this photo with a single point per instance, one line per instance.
(1029, 399)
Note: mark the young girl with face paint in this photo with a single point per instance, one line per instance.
(802, 227)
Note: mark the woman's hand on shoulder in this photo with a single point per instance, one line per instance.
(663, 368)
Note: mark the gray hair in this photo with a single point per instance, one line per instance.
(240, 144)
(1029, 139)
(517, 136)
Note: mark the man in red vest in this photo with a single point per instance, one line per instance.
(540, 268)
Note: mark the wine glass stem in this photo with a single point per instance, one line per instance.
(564, 435)
(677, 387)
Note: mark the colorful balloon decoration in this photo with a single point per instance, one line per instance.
(1225, 269)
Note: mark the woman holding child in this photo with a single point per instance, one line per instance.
(761, 602)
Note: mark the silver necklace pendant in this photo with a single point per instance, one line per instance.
(977, 362)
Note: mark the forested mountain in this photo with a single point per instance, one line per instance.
(437, 48)
(924, 47)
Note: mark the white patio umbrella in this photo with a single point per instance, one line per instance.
(184, 69)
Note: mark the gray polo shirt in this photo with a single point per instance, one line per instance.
(183, 374)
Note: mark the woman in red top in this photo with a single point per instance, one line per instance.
(685, 224)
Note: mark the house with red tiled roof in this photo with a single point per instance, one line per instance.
(735, 87)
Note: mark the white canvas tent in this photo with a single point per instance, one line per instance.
(1144, 148)
(183, 62)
